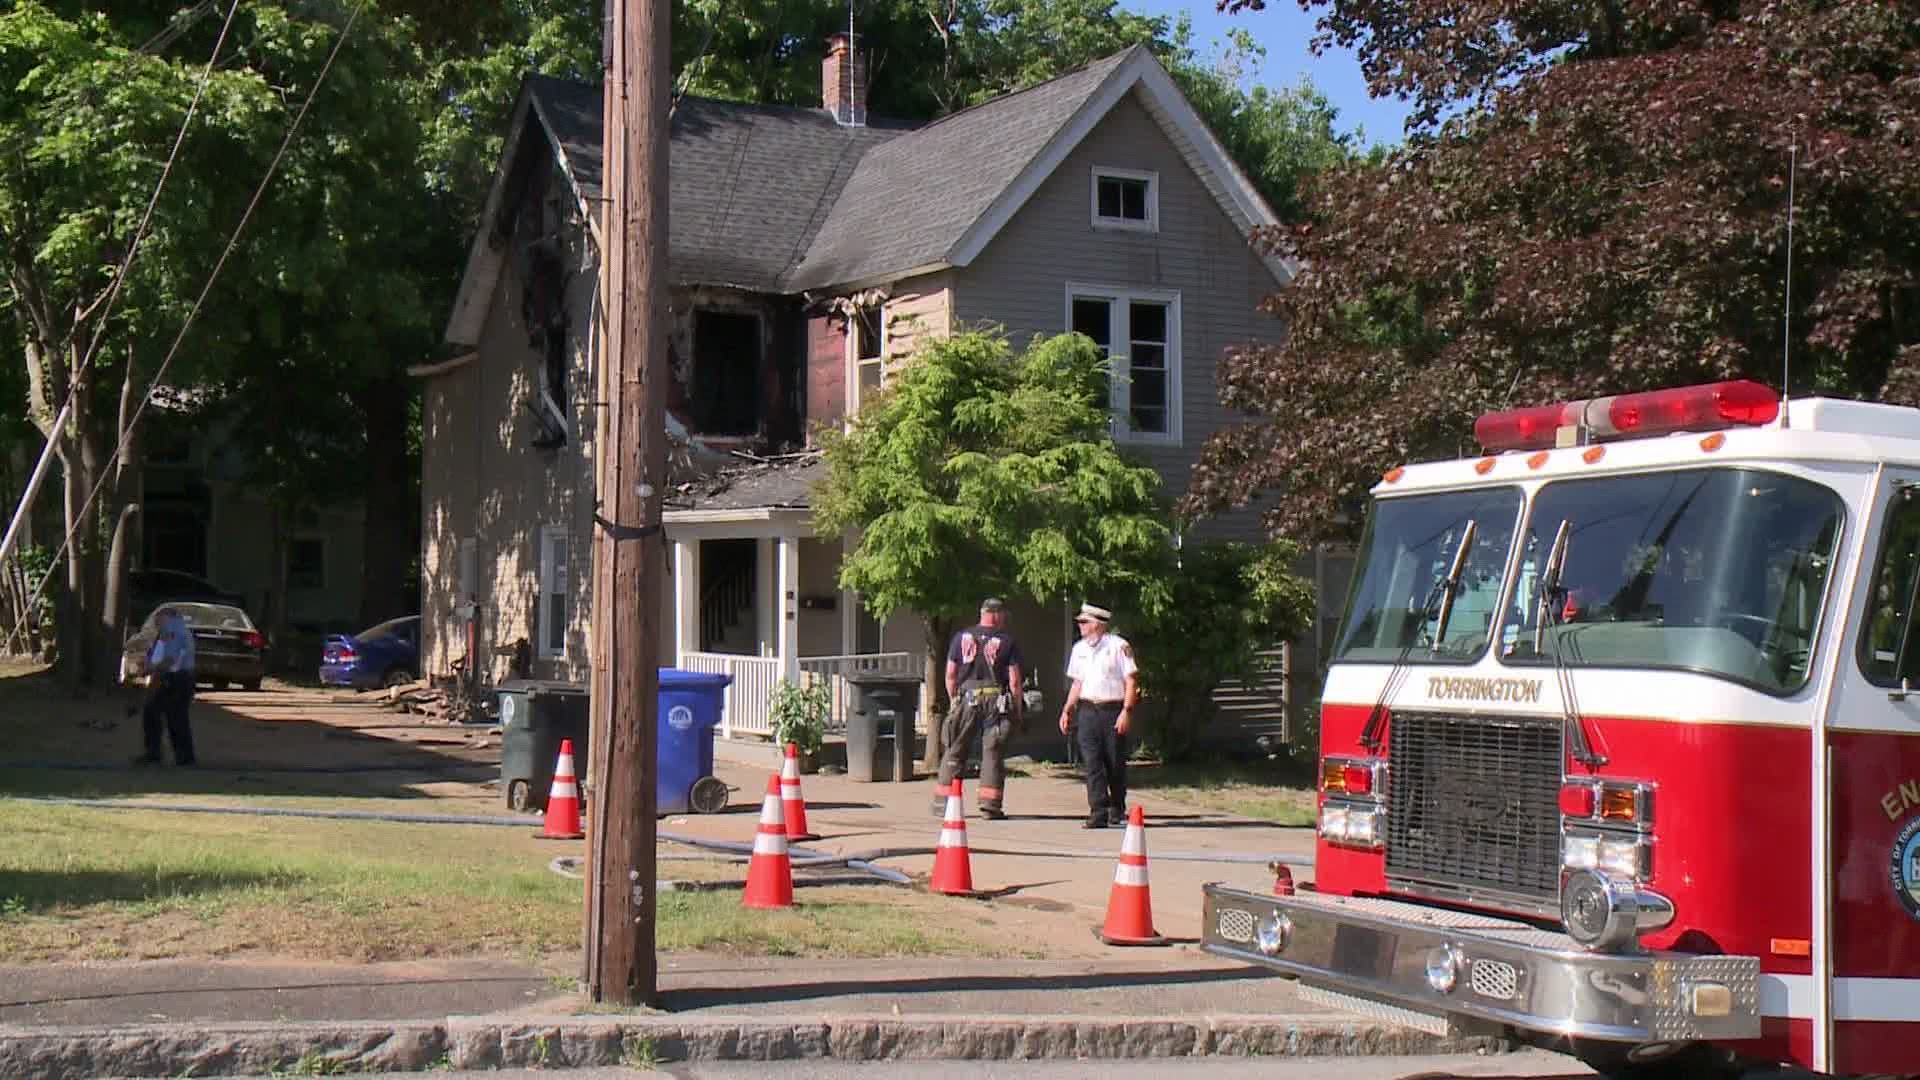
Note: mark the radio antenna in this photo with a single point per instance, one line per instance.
(1786, 337)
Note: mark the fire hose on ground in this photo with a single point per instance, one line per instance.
(861, 863)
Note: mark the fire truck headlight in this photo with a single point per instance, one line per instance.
(1333, 823)
(1622, 858)
(1443, 967)
(1363, 828)
(1273, 934)
(1580, 852)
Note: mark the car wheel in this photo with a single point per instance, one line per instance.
(396, 677)
(251, 685)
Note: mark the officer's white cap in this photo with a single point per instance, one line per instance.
(1088, 611)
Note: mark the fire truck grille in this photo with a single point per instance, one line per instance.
(1473, 803)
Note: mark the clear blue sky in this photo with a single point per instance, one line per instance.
(1285, 31)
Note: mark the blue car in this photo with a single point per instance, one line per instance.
(385, 655)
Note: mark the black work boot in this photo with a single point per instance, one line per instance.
(993, 813)
(1095, 820)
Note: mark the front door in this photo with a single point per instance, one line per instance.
(1875, 800)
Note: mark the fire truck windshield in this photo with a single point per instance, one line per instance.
(1721, 571)
(1408, 552)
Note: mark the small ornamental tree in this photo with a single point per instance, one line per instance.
(978, 471)
(1229, 602)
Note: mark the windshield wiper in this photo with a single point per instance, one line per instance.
(1549, 605)
(1442, 592)
(1452, 584)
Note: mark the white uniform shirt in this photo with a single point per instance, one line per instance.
(173, 648)
(1102, 669)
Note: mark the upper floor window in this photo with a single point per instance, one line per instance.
(1140, 330)
(1126, 199)
(555, 611)
(867, 331)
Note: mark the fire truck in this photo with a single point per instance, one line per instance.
(1620, 741)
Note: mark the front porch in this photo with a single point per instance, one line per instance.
(755, 596)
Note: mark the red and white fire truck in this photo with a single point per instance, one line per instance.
(1620, 740)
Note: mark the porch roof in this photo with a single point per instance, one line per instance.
(774, 484)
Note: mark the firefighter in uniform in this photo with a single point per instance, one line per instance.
(984, 684)
(1099, 710)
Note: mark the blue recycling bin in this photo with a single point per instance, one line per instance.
(690, 703)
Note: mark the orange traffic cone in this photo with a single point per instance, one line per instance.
(1130, 905)
(952, 864)
(795, 803)
(563, 801)
(770, 871)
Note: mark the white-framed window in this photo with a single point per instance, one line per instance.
(1140, 331)
(1126, 199)
(866, 352)
(555, 591)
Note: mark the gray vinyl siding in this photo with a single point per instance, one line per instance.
(1020, 279)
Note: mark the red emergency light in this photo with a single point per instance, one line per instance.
(1654, 412)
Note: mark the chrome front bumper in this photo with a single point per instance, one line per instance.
(1506, 973)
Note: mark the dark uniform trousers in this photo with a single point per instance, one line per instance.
(1105, 752)
(169, 700)
(976, 709)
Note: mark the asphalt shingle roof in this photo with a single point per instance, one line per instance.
(783, 199)
(911, 199)
(749, 184)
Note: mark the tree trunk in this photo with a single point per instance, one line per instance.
(938, 631)
(392, 514)
(113, 608)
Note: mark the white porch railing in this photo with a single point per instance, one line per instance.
(744, 710)
(835, 670)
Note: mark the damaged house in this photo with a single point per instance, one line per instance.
(811, 250)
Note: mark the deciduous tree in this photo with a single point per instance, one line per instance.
(1594, 199)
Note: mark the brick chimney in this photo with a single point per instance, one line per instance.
(843, 81)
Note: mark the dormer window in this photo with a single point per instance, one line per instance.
(1125, 199)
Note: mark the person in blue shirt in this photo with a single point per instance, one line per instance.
(169, 690)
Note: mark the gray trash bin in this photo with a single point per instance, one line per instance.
(535, 715)
(880, 737)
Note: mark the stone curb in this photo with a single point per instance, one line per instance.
(582, 1041)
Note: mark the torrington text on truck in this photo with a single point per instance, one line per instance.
(1620, 740)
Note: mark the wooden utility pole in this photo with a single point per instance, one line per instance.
(620, 963)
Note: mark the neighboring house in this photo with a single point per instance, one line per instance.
(200, 515)
(811, 250)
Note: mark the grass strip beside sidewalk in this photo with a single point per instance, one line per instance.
(79, 884)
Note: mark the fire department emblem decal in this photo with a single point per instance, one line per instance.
(1905, 871)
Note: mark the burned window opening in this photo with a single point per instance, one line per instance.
(726, 392)
(543, 303)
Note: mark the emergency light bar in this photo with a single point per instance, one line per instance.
(1707, 407)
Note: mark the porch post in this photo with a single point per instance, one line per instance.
(686, 599)
(766, 606)
(789, 609)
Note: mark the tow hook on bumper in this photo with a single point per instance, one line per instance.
(1439, 963)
